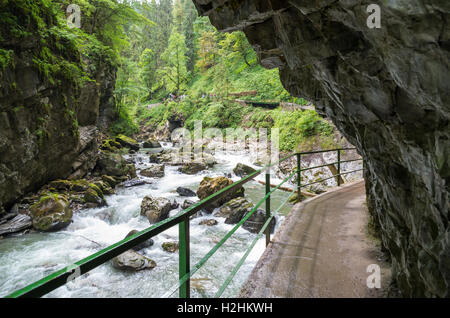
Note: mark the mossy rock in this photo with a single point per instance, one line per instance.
(110, 145)
(242, 170)
(155, 171)
(104, 186)
(170, 247)
(64, 185)
(94, 196)
(208, 222)
(151, 143)
(80, 185)
(192, 167)
(110, 180)
(113, 164)
(127, 142)
(209, 186)
(51, 213)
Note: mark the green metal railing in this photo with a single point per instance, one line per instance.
(62, 276)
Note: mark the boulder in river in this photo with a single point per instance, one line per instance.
(187, 203)
(155, 209)
(104, 186)
(51, 213)
(208, 222)
(151, 143)
(94, 196)
(155, 171)
(193, 167)
(148, 243)
(132, 261)
(208, 186)
(170, 247)
(154, 158)
(127, 142)
(113, 164)
(185, 192)
(234, 210)
(256, 221)
(242, 170)
(110, 180)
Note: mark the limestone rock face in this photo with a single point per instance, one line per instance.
(387, 90)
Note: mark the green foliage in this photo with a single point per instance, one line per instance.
(6, 58)
(174, 72)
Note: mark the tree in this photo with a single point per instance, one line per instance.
(148, 70)
(208, 50)
(236, 45)
(174, 71)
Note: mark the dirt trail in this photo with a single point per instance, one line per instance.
(321, 250)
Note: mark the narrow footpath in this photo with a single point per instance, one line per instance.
(322, 249)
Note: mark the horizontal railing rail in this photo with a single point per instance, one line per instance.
(62, 276)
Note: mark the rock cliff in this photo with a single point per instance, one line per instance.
(387, 90)
(50, 97)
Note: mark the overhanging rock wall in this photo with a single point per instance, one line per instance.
(387, 90)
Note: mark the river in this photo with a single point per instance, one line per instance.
(30, 257)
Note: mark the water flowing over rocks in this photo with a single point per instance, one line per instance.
(386, 90)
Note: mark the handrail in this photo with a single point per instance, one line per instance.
(62, 276)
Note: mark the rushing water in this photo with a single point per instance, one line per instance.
(27, 258)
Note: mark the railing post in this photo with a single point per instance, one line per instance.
(268, 205)
(339, 167)
(299, 177)
(184, 257)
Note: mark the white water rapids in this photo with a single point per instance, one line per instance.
(30, 257)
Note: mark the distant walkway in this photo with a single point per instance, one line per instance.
(321, 250)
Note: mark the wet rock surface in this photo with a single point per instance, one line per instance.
(170, 247)
(208, 186)
(235, 210)
(155, 171)
(132, 261)
(185, 192)
(155, 209)
(387, 91)
(51, 213)
(242, 170)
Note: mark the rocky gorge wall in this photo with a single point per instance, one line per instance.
(48, 112)
(387, 90)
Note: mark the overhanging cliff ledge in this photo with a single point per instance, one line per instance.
(387, 90)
